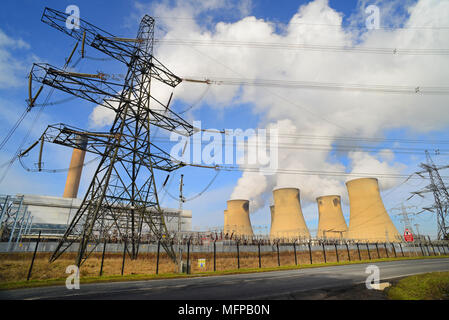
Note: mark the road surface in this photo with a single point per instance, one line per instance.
(265, 285)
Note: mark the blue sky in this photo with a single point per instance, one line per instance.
(24, 39)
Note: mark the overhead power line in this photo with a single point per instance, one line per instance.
(412, 27)
(422, 90)
(303, 46)
(328, 148)
(312, 172)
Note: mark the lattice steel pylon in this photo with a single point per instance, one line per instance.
(440, 194)
(122, 196)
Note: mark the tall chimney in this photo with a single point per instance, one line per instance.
(369, 220)
(75, 169)
(288, 220)
(272, 217)
(225, 226)
(331, 223)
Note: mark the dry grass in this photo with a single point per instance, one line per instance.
(14, 267)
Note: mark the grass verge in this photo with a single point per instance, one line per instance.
(141, 277)
(428, 286)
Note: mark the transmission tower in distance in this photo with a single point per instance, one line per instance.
(440, 194)
(122, 196)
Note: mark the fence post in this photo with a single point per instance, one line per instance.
(347, 249)
(238, 255)
(310, 253)
(124, 256)
(279, 259)
(386, 250)
(422, 251)
(102, 257)
(358, 249)
(402, 251)
(433, 249)
(215, 255)
(369, 253)
(394, 250)
(336, 252)
(377, 249)
(294, 250)
(34, 256)
(157, 257)
(260, 260)
(324, 253)
(188, 257)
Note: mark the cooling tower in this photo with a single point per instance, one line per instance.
(238, 221)
(75, 170)
(368, 218)
(288, 220)
(331, 223)
(272, 216)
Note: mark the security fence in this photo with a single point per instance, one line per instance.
(112, 256)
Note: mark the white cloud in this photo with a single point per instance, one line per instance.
(313, 112)
(101, 117)
(11, 69)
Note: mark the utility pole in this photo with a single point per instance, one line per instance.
(181, 201)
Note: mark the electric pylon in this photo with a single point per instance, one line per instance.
(440, 194)
(122, 196)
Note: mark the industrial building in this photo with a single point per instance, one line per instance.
(51, 215)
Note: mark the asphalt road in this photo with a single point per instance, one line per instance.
(266, 285)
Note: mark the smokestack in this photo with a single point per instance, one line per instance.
(368, 218)
(238, 218)
(288, 220)
(331, 223)
(225, 226)
(272, 217)
(75, 169)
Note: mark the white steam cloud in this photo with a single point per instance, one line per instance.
(313, 112)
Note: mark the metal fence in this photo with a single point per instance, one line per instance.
(220, 255)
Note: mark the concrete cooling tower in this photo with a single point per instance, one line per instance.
(288, 221)
(368, 218)
(238, 221)
(75, 170)
(331, 223)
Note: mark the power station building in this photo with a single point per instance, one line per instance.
(52, 215)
